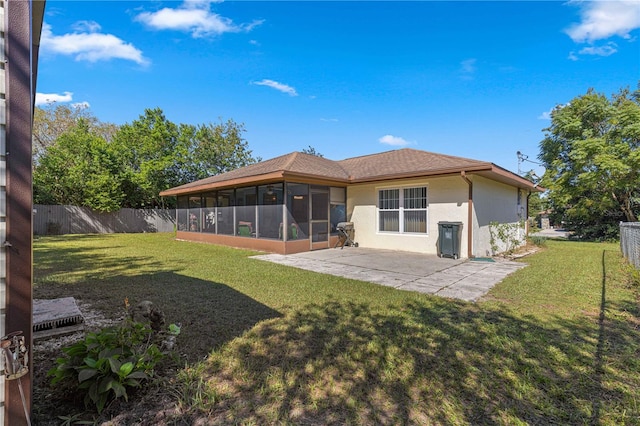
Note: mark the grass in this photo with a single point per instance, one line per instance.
(557, 342)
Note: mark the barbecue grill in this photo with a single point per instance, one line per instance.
(345, 235)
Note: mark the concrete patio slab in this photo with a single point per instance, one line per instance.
(455, 278)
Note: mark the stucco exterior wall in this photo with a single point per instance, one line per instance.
(447, 199)
(495, 202)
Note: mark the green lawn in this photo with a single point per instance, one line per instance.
(557, 342)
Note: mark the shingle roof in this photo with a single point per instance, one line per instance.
(399, 163)
(406, 161)
(293, 163)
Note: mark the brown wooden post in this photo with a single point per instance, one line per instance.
(23, 23)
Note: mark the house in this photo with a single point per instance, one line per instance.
(395, 200)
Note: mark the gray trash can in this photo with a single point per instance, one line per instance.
(449, 235)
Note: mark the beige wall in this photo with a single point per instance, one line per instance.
(447, 201)
(494, 202)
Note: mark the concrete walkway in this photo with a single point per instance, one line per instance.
(459, 279)
(552, 233)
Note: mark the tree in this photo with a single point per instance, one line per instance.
(51, 121)
(213, 149)
(85, 162)
(536, 203)
(591, 153)
(158, 154)
(312, 151)
(148, 149)
(79, 169)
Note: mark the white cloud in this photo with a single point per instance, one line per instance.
(394, 141)
(194, 17)
(468, 68)
(547, 114)
(85, 44)
(86, 27)
(48, 98)
(329, 120)
(284, 88)
(606, 50)
(468, 65)
(603, 19)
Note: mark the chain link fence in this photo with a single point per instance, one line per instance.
(630, 242)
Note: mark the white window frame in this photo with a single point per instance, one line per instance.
(402, 209)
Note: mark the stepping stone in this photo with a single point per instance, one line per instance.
(54, 317)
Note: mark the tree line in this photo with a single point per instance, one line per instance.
(591, 152)
(79, 160)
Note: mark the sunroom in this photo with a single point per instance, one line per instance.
(288, 204)
(284, 217)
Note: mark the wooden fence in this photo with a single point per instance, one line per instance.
(630, 242)
(58, 220)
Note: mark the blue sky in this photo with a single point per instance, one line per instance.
(474, 79)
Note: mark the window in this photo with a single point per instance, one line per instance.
(389, 204)
(403, 211)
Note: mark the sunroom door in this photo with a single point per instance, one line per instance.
(319, 218)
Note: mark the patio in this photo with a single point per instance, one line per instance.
(459, 279)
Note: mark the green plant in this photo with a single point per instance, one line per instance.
(538, 240)
(633, 274)
(75, 419)
(174, 329)
(106, 363)
(507, 236)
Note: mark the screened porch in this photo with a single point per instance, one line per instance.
(278, 212)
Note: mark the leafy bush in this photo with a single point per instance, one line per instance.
(106, 363)
(538, 240)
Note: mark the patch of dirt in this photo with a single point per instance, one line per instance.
(521, 252)
(152, 405)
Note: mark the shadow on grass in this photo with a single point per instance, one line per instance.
(438, 362)
(426, 361)
(210, 314)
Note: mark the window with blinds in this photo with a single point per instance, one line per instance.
(403, 210)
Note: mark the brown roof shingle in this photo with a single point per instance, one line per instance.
(406, 162)
(296, 163)
(394, 164)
